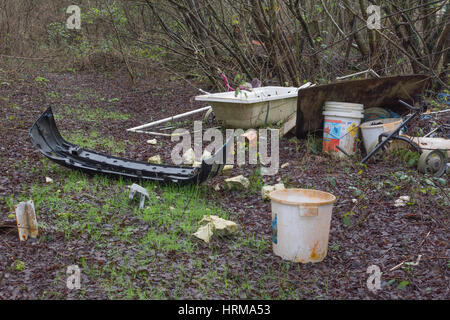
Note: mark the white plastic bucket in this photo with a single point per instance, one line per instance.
(301, 221)
(341, 124)
(372, 129)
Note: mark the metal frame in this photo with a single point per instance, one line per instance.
(46, 138)
(393, 134)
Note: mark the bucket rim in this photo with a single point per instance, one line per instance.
(330, 198)
(366, 125)
(346, 104)
(326, 107)
(353, 115)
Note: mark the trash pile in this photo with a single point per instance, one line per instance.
(379, 112)
(381, 134)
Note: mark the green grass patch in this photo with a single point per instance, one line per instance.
(88, 114)
(94, 140)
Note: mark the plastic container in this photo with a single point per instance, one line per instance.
(375, 113)
(372, 129)
(301, 221)
(341, 123)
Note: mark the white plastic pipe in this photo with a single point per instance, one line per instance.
(306, 85)
(371, 71)
(151, 124)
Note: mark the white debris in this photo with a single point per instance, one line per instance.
(189, 157)
(135, 188)
(205, 232)
(227, 169)
(222, 227)
(266, 190)
(239, 182)
(152, 141)
(48, 180)
(215, 225)
(355, 201)
(284, 165)
(402, 201)
(155, 159)
(206, 155)
(197, 164)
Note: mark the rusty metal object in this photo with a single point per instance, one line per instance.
(394, 134)
(381, 92)
(433, 161)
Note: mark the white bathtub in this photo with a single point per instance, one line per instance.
(251, 109)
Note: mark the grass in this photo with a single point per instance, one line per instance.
(93, 140)
(87, 114)
(137, 245)
(313, 144)
(97, 209)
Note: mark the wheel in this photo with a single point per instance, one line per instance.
(433, 162)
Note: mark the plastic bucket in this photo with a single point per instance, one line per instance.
(372, 129)
(301, 221)
(341, 124)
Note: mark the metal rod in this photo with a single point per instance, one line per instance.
(169, 119)
(343, 151)
(431, 132)
(372, 72)
(306, 85)
(203, 91)
(436, 112)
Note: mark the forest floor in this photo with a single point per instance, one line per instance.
(127, 253)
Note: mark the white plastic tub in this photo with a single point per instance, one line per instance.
(251, 109)
(372, 129)
(301, 221)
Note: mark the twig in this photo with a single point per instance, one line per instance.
(416, 263)
(331, 18)
(125, 59)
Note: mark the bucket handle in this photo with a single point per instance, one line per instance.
(308, 211)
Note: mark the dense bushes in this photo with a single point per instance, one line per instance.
(286, 42)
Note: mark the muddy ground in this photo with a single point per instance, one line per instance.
(95, 109)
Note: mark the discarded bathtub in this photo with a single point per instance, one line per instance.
(252, 109)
